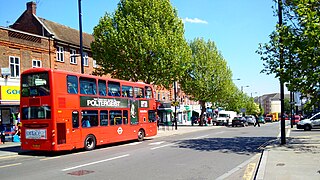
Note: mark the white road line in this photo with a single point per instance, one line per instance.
(6, 157)
(161, 146)
(288, 133)
(199, 137)
(9, 165)
(219, 132)
(224, 176)
(157, 143)
(96, 162)
(134, 143)
(44, 159)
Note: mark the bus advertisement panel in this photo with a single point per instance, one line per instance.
(63, 110)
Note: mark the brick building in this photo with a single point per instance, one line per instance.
(36, 42)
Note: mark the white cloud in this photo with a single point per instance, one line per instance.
(194, 20)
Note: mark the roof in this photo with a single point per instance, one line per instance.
(66, 34)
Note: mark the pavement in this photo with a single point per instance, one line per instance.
(299, 158)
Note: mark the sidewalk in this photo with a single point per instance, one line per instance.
(298, 159)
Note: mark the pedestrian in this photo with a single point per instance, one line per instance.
(257, 121)
(2, 133)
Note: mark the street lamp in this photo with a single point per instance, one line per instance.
(80, 29)
(254, 93)
(243, 87)
(238, 79)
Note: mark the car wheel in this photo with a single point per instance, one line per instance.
(307, 128)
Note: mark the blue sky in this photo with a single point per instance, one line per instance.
(236, 26)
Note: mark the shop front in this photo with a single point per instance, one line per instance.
(164, 112)
(9, 107)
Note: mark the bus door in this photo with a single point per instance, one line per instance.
(74, 133)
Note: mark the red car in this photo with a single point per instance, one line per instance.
(296, 119)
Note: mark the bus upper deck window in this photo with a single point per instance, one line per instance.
(139, 92)
(102, 88)
(148, 92)
(113, 88)
(88, 86)
(72, 84)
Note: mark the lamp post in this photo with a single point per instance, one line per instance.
(254, 93)
(243, 87)
(80, 29)
(283, 125)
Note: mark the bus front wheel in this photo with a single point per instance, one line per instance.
(140, 135)
(89, 143)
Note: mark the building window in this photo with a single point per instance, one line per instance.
(94, 63)
(73, 59)
(14, 63)
(60, 54)
(36, 63)
(85, 59)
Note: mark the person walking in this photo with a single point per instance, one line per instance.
(257, 121)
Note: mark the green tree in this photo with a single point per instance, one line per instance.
(208, 77)
(300, 33)
(287, 106)
(142, 41)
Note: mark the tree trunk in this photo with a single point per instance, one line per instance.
(203, 110)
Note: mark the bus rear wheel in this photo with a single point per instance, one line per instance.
(140, 135)
(89, 143)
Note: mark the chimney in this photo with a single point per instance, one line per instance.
(31, 7)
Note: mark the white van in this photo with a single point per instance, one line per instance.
(310, 123)
(225, 117)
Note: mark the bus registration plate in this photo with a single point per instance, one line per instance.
(36, 134)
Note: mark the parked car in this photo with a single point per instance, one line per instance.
(268, 118)
(239, 121)
(310, 123)
(261, 120)
(251, 120)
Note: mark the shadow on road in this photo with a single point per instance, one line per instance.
(239, 145)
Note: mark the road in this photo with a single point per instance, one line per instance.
(223, 153)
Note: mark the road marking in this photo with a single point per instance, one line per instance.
(9, 165)
(224, 176)
(7, 157)
(249, 171)
(134, 143)
(49, 158)
(157, 143)
(219, 132)
(161, 146)
(287, 134)
(202, 136)
(96, 162)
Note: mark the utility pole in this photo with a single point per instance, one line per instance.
(80, 29)
(283, 128)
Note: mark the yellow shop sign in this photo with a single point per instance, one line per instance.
(10, 93)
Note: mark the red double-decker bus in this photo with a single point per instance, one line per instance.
(63, 110)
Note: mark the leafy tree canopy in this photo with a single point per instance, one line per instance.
(142, 41)
(300, 34)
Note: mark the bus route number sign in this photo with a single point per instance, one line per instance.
(36, 134)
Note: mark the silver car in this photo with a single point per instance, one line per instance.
(251, 119)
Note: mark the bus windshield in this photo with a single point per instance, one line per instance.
(36, 84)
